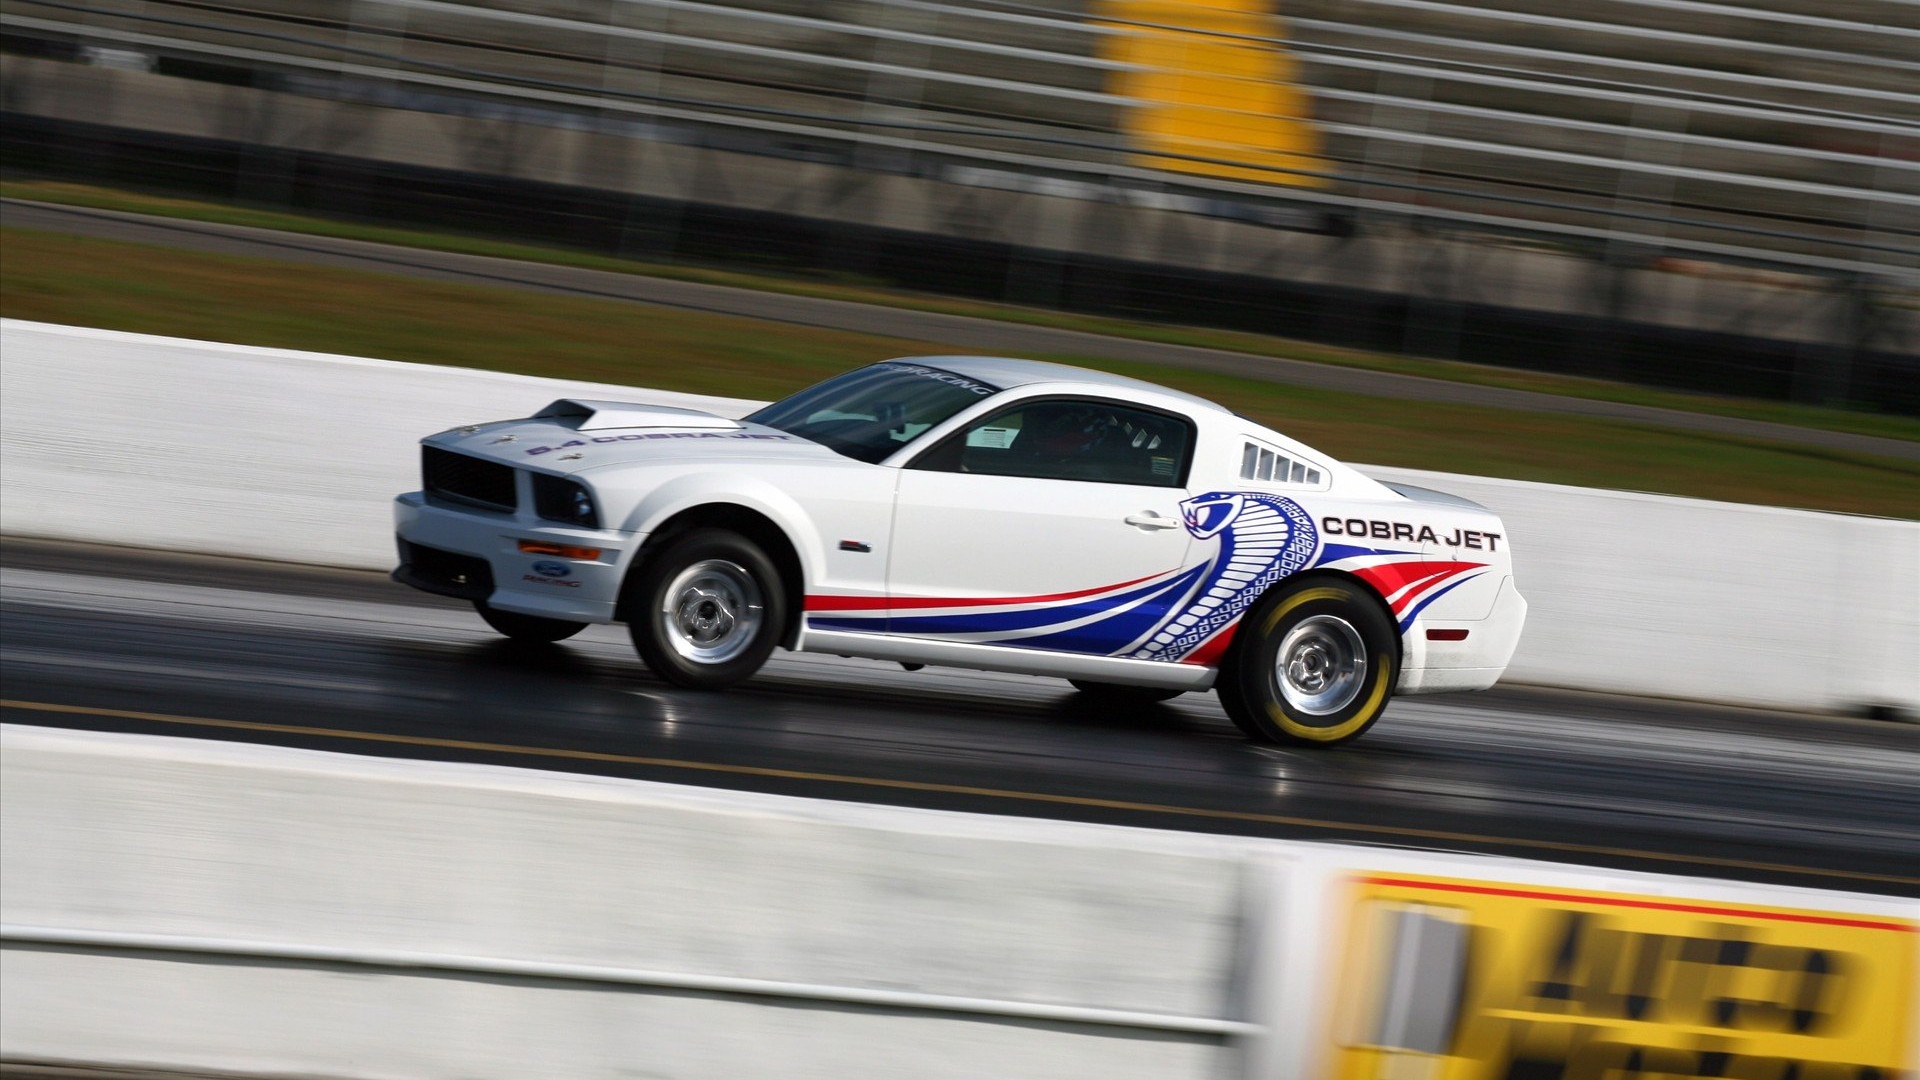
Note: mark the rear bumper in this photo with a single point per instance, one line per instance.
(1474, 662)
(475, 555)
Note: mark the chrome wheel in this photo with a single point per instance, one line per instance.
(1321, 665)
(712, 611)
(708, 607)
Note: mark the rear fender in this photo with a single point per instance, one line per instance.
(1308, 577)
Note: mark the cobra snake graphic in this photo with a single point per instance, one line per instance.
(1263, 538)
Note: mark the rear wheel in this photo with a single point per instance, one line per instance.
(529, 628)
(1117, 694)
(707, 609)
(1314, 664)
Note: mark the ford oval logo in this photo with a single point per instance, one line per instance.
(552, 569)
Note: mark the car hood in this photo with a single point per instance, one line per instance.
(573, 435)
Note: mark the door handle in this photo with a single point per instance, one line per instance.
(1147, 519)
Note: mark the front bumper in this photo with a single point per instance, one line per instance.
(476, 555)
(447, 573)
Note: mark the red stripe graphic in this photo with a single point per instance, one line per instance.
(1210, 650)
(902, 603)
(1653, 905)
(1390, 578)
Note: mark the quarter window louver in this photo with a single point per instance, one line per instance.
(1259, 463)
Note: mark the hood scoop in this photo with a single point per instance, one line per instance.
(611, 415)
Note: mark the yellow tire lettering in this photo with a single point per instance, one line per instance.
(1304, 596)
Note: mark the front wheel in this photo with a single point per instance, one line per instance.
(1314, 664)
(707, 609)
(529, 628)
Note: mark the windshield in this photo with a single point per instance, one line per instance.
(870, 413)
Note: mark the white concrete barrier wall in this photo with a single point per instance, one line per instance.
(229, 449)
(187, 839)
(285, 455)
(218, 907)
(1751, 605)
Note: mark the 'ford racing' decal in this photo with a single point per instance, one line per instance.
(948, 377)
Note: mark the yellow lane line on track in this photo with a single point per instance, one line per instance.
(1397, 831)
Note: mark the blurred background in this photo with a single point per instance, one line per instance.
(1655, 245)
(1700, 196)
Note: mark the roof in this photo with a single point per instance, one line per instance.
(1008, 372)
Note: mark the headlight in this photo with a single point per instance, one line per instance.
(556, 498)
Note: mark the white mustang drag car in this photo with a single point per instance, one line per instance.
(982, 513)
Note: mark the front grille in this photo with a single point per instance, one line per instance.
(486, 484)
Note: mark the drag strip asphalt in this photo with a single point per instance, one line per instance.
(122, 640)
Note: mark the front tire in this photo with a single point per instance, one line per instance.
(707, 609)
(532, 629)
(1312, 665)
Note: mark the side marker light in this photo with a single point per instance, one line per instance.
(541, 547)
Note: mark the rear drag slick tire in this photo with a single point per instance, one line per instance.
(1312, 665)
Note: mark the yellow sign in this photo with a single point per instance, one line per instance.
(1214, 89)
(1466, 980)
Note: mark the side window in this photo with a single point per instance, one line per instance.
(1071, 439)
(1265, 463)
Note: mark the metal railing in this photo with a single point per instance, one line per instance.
(1009, 103)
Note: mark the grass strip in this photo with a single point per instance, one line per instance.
(82, 281)
(826, 286)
